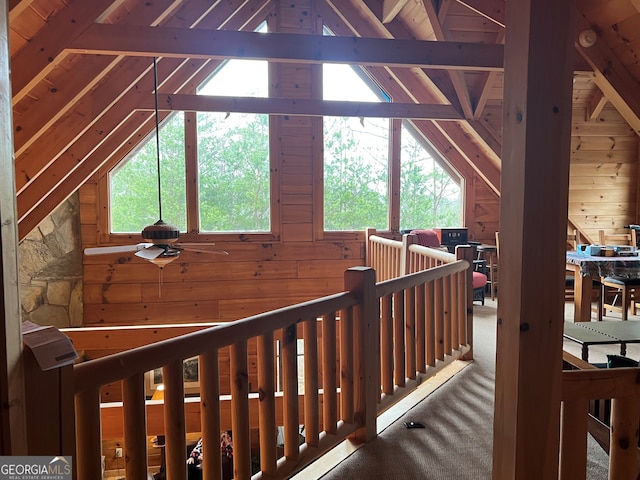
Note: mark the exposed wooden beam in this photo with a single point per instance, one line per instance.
(13, 415)
(457, 77)
(596, 104)
(488, 85)
(284, 47)
(391, 8)
(533, 218)
(281, 106)
(611, 76)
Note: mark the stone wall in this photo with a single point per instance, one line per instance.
(50, 269)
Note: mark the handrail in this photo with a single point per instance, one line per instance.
(582, 385)
(112, 368)
(420, 320)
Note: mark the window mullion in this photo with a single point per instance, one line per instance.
(191, 167)
(395, 145)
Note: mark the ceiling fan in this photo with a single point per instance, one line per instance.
(160, 246)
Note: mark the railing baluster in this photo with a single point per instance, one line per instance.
(346, 365)
(430, 324)
(174, 420)
(461, 293)
(386, 345)
(455, 339)
(439, 319)
(410, 332)
(573, 439)
(210, 419)
(311, 366)
(290, 378)
(329, 383)
(446, 292)
(88, 437)
(135, 426)
(421, 361)
(623, 451)
(267, 405)
(240, 411)
(398, 339)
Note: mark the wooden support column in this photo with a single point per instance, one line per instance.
(533, 218)
(13, 439)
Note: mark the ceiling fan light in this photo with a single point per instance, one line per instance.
(161, 233)
(163, 260)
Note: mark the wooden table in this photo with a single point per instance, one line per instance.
(587, 268)
(602, 333)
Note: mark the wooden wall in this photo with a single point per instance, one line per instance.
(603, 185)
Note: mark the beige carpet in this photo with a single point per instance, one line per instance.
(456, 442)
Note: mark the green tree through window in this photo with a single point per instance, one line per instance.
(429, 197)
(134, 183)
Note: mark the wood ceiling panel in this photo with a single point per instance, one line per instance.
(606, 13)
(24, 27)
(414, 17)
(470, 23)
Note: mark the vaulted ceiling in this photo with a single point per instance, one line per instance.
(82, 79)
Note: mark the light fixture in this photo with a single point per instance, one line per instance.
(160, 233)
(587, 38)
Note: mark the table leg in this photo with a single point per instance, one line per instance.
(582, 294)
(585, 352)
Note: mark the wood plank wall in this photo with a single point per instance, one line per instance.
(603, 185)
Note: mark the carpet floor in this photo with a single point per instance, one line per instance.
(456, 442)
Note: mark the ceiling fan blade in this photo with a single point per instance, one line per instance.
(150, 252)
(115, 249)
(200, 248)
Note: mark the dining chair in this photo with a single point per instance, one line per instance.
(570, 278)
(614, 288)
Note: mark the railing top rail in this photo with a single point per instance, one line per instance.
(576, 362)
(432, 253)
(600, 383)
(411, 280)
(385, 241)
(112, 368)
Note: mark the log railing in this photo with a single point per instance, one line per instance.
(420, 321)
(583, 383)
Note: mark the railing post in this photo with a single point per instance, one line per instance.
(367, 246)
(405, 256)
(465, 252)
(362, 282)
(49, 406)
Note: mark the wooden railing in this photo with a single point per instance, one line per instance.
(420, 321)
(582, 384)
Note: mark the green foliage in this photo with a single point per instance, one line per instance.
(428, 195)
(355, 173)
(134, 184)
(233, 159)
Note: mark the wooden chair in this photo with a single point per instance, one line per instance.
(614, 288)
